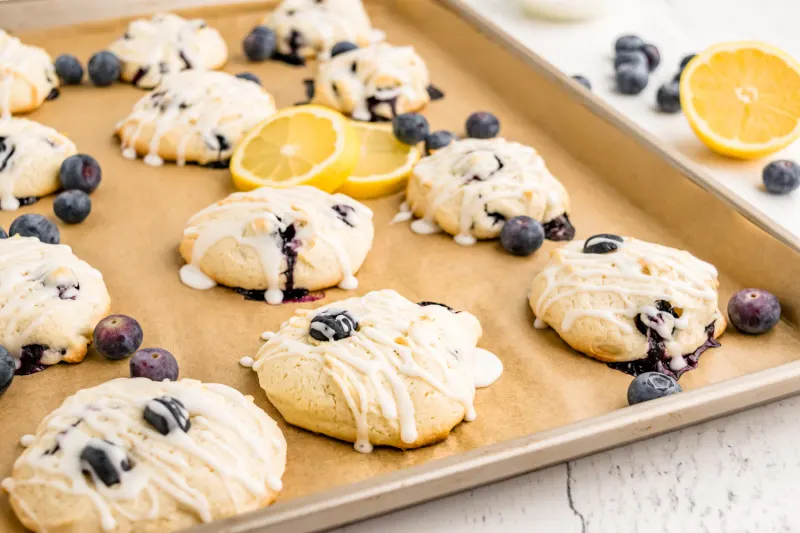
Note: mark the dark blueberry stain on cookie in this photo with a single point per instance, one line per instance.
(332, 325)
(426, 303)
(54, 93)
(163, 67)
(372, 104)
(310, 88)
(140, 73)
(27, 200)
(602, 243)
(295, 42)
(186, 63)
(64, 289)
(216, 165)
(96, 459)
(663, 306)
(354, 67)
(166, 414)
(6, 152)
(343, 212)
(127, 36)
(30, 359)
(559, 229)
(435, 93)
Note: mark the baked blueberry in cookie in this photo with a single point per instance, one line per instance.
(277, 244)
(27, 76)
(471, 187)
(377, 370)
(144, 456)
(639, 306)
(194, 116)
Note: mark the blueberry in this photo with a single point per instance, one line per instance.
(602, 243)
(437, 140)
(627, 43)
(343, 47)
(410, 128)
(634, 57)
(72, 206)
(332, 325)
(117, 337)
(650, 386)
(3, 234)
(249, 76)
(80, 171)
(106, 466)
(781, 177)
(482, 125)
(583, 80)
(686, 59)
(522, 235)
(33, 225)
(668, 97)
(754, 311)
(653, 56)
(104, 68)
(631, 79)
(7, 369)
(69, 69)
(155, 364)
(167, 413)
(259, 44)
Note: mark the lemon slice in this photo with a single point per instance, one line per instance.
(384, 164)
(742, 99)
(302, 145)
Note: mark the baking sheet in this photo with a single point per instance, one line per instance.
(615, 183)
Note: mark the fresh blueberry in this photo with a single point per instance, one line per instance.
(522, 235)
(685, 60)
(482, 125)
(634, 57)
(650, 386)
(332, 325)
(653, 56)
(259, 44)
(249, 76)
(166, 414)
(342, 47)
(583, 80)
(627, 43)
(105, 460)
(7, 369)
(410, 128)
(33, 225)
(602, 243)
(781, 177)
(754, 311)
(155, 364)
(631, 79)
(80, 171)
(117, 337)
(69, 69)
(3, 234)
(104, 68)
(668, 97)
(437, 140)
(72, 206)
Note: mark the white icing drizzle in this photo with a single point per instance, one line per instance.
(24, 147)
(246, 361)
(243, 445)
(21, 62)
(437, 347)
(403, 215)
(267, 335)
(26, 440)
(256, 220)
(482, 176)
(202, 105)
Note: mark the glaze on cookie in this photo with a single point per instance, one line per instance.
(27, 76)
(30, 159)
(640, 306)
(277, 244)
(139, 456)
(193, 116)
(151, 49)
(377, 370)
(50, 302)
(472, 186)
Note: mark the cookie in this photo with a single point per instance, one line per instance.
(472, 186)
(153, 48)
(374, 83)
(139, 456)
(641, 306)
(277, 243)
(27, 76)
(50, 302)
(377, 370)
(193, 116)
(30, 160)
(305, 29)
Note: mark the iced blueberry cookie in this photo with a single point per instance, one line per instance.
(193, 116)
(153, 48)
(640, 306)
(27, 76)
(471, 187)
(30, 159)
(50, 302)
(277, 244)
(377, 370)
(305, 29)
(374, 83)
(139, 456)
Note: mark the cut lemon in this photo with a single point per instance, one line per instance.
(743, 99)
(384, 164)
(303, 145)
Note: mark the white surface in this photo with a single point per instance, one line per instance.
(736, 474)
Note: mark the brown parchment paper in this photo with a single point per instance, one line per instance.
(139, 213)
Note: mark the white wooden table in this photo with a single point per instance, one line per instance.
(736, 474)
